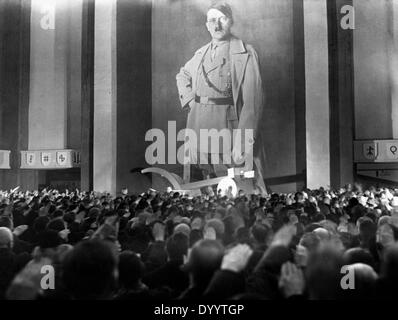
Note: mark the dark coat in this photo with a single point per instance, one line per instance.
(169, 275)
(10, 265)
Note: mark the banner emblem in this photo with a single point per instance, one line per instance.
(46, 158)
(62, 156)
(30, 158)
(370, 151)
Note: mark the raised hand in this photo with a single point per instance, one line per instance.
(210, 234)
(64, 234)
(158, 231)
(20, 229)
(284, 235)
(291, 281)
(237, 258)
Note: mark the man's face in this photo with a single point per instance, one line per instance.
(218, 24)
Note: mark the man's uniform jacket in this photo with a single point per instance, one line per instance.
(247, 92)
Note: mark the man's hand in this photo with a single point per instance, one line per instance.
(238, 157)
(291, 281)
(20, 229)
(237, 258)
(196, 224)
(209, 233)
(189, 105)
(284, 235)
(80, 216)
(43, 212)
(158, 231)
(64, 234)
(14, 190)
(312, 199)
(187, 256)
(8, 210)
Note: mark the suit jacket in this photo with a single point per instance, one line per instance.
(247, 91)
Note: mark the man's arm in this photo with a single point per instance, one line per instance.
(184, 84)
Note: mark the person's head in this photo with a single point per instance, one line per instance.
(182, 228)
(62, 251)
(322, 233)
(242, 235)
(261, 233)
(40, 224)
(90, 270)
(385, 235)
(131, 269)
(204, 259)
(358, 255)
(218, 227)
(6, 238)
(57, 224)
(177, 246)
(6, 222)
(49, 239)
(58, 214)
(308, 244)
(219, 21)
(299, 197)
(323, 273)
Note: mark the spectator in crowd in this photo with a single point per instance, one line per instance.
(170, 274)
(90, 270)
(203, 261)
(131, 269)
(10, 263)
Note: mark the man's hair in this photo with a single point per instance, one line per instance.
(204, 260)
(88, 270)
(323, 273)
(260, 232)
(358, 255)
(131, 269)
(223, 7)
(177, 246)
(6, 222)
(218, 227)
(40, 223)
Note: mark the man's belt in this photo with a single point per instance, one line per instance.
(215, 101)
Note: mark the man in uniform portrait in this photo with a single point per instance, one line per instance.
(222, 89)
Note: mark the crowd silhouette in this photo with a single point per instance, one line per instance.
(309, 245)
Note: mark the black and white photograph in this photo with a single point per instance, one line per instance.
(166, 152)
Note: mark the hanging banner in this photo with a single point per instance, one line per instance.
(5, 159)
(50, 159)
(376, 151)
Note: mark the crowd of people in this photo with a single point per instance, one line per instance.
(310, 245)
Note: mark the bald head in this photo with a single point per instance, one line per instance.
(322, 233)
(6, 238)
